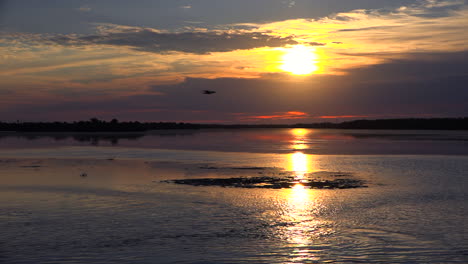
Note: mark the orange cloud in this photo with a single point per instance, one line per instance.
(296, 113)
(277, 116)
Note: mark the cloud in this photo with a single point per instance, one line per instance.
(150, 40)
(186, 7)
(434, 8)
(290, 115)
(365, 37)
(364, 29)
(427, 26)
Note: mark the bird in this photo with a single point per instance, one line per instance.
(208, 92)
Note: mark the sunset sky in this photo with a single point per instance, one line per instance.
(269, 61)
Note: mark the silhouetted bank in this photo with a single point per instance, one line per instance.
(96, 125)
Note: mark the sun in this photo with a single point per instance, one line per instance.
(299, 60)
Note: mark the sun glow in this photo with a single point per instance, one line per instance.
(300, 60)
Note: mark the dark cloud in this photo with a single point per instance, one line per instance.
(53, 16)
(190, 42)
(416, 66)
(232, 95)
(315, 44)
(441, 9)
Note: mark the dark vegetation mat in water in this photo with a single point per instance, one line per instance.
(272, 183)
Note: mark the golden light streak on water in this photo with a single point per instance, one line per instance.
(299, 138)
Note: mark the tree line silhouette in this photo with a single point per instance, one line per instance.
(96, 125)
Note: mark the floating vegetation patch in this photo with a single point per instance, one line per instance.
(274, 183)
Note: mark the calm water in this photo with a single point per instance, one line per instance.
(415, 209)
(310, 141)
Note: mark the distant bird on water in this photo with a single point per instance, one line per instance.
(208, 92)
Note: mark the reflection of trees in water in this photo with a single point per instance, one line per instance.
(172, 133)
(93, 139)
(112, 139)
(433, 136)
(96, 139)
(93, 125)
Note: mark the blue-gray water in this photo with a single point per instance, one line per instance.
(415, 209)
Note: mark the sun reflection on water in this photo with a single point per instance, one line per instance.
(300, 131)
(299, 141)
(302, 204)
(300, 164)
(299, 235)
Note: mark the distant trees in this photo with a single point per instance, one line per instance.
(409, 123)
(96, 125)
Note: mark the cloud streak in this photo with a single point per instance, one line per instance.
(290, 115)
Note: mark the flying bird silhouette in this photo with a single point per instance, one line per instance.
(208, 92)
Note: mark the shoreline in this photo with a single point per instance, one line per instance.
(96, 125)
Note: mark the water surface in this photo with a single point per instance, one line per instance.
(310, 141)
(414, 210)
